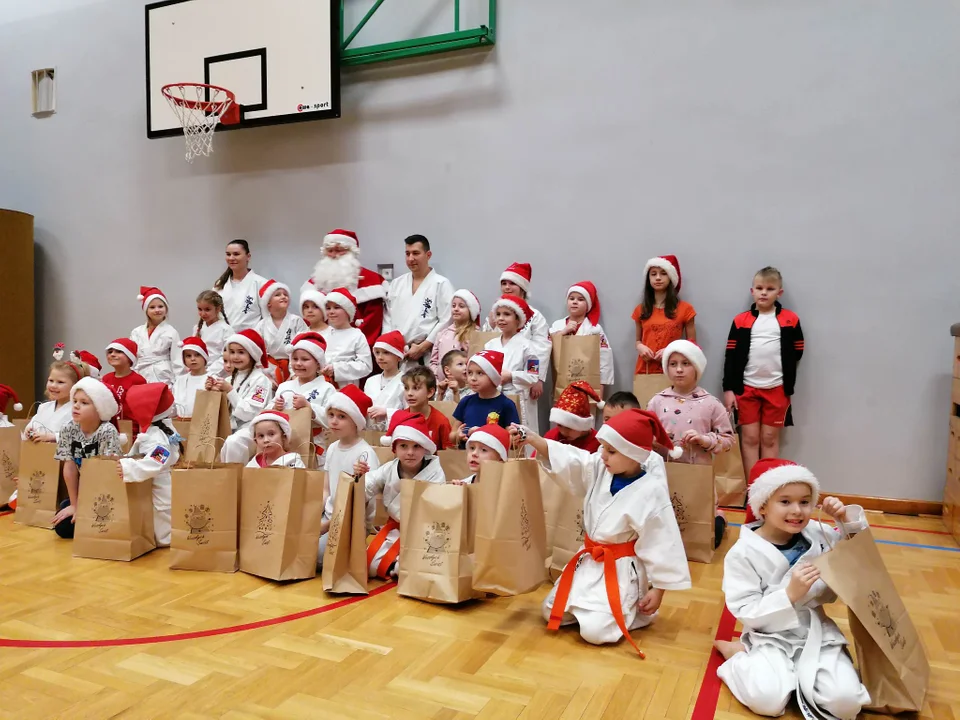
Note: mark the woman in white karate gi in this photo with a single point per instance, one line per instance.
(240, 287)
(583, 318)
(520, 364)
(158, 342)
(249, 392)
(788, 642)
(630, 529)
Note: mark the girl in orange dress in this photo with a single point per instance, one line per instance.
(662, 317)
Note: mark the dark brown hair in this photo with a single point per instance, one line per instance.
(228, 273)
(212, 297)
(420, 374)
(670, 302)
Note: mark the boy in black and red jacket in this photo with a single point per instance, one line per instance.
(760, 368)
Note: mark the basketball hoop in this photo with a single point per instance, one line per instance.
(199, 108)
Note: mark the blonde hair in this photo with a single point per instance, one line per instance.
(71, 369)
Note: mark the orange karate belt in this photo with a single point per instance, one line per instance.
(281, 368)
(391, 555)
(608, 554)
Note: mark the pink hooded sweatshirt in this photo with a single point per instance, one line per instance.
(699, 411)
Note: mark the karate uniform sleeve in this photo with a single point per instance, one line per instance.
(444, 298)
(246, 409)
(856, 520)
(570, 467)
(540, 344)
(660, 549)
(743, 590)
(606, 359)
(374, 483)
(156, 456)
(358, 367)
(522, 378)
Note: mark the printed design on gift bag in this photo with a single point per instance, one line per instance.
(576, 370)
(35, 486)
(200, 521)
(265, 523)
(437, 539)
(206, 431)
(884, 619)
(680, 510)
(102, 512)
(333, 536)
(580, 531)
(526, 533)
(9, 469)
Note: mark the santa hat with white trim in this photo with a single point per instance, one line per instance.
(572, 409)
(633, 432)
(90, 360)
(770, 474)
(472, 303)
(494, 437)
(519, 274)
(197, 345)
(690, 351)
(267, 291)
(147, 294)
(100, 395)
(491, 362)
(670, 265)
(313, 343)
(518, 305)
(393, 343)
(126, 346)
(281, 419)
(146, 404)
(406, 425)
(316, 297)
(589, 292)
(343, 238)
(341, 297)
(354, 402)
(252, 342)
(7, 394)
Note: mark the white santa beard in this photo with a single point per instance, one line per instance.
(331, 273)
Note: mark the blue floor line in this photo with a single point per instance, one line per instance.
(894, 542)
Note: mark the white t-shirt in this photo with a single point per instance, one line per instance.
(764, 363)
(337, 461)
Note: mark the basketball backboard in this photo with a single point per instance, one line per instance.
(279, 57)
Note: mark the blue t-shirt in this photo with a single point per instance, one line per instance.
(795, 549)
(473, 411)
(619, 482)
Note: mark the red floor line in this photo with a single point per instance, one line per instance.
(706, 705)
(117, 642)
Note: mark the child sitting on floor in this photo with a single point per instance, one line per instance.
(419, 385)
(574, 417)
(386, 389)
(487, 404)
(490, 443)
(415, 459)
(272, 433)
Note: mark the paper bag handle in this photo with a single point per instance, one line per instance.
(831, 544)
(187, 464)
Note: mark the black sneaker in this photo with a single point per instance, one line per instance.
(719, 527)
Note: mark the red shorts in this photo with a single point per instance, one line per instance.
(768, 406)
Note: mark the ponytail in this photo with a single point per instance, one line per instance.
(167, 431)
(228, 273)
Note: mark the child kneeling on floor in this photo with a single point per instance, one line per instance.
(409, 437)
(272, 433)
(773, 590)
(489, 443)
(630, 530)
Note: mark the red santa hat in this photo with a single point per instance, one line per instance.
(770, 474)
(281, 419)
(670, 265)
(146, 404)
(354, 402)
(313, 343)
(344, 238)
(267, 291)
(127, 346)
(197, 345)
(147, 294)
(519, 274)
(633, 432)
(491, 362)
(518, 305)
(393, 343)
(100, 395)
(690, 351)
(589, 292)
(572, 409)
(252, 342)
(406, 425)
(472, 303)
(316, 297)
(92, 361)
(7, 394)
(494, 437)
(343, 298)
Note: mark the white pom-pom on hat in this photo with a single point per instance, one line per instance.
(386, 440)
(122, 438)
(139, 298)
(676, 452)
(17, 407)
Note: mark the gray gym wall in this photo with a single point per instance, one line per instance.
(821, 137)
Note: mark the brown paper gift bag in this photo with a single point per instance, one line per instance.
(280, 514)
(454, 464)
(890, 656)
(435, 560)
(345, 559)
(209, 426)
(567, 532)
(9, 462)
(40, 484)
(183, 429)
(301, 437)
(691, 492)
(576, 357)
(114, 519)
(205, 518)
(730, 479)
(646, 385)
(511, 538)
(478, 339)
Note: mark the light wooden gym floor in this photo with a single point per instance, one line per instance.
(382, 656)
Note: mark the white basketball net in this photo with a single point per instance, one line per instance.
(198, 115)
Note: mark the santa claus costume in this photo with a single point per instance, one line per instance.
(590, 326)
(520, 359)
(384, 392)
(630, 532)
(251, 393)
(787, 645)
(278, 337)
(158, 357)
(347, 348)
(344, 270)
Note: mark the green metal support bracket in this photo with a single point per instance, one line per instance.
(483, 36)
